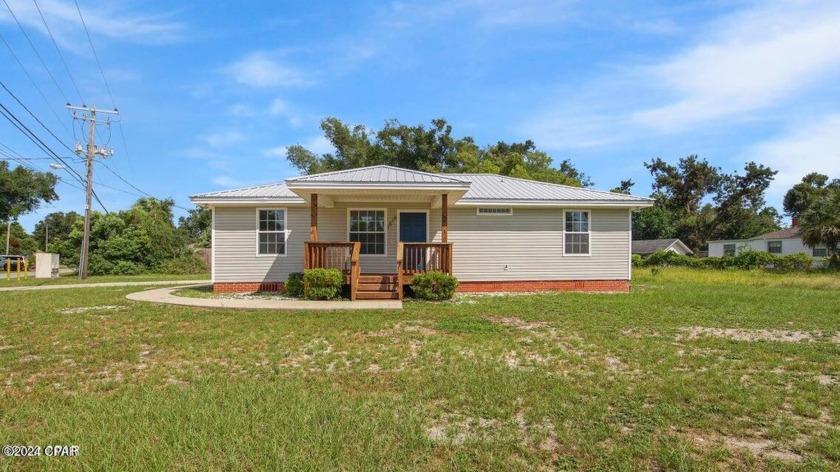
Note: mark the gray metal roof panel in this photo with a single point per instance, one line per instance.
(377, 174)
(278, 190)
(500, 187)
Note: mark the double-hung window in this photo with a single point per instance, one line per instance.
(819, 252)
(368, 228)
(728, 249)
(576, 232)
(271, 232)
(774, 247)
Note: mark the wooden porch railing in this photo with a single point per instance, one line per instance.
(416, 258)
(343, 256)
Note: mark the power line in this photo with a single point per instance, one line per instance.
(36, 51)
(37, 141)
(144, 194)
(58, 50)
(96, 56)
(36, 118)
(34, 84)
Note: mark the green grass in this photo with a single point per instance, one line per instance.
(73, 279)
(556, 381)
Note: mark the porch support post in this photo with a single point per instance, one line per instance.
(444, 218)
(313, 217)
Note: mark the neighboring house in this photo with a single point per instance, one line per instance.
(382, 225)
(645, 247)
(784, 241)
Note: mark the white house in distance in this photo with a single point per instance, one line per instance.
(781, 242)
(381, 225)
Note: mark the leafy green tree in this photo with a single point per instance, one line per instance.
(23, 190)
(19, 241)
(696, 202)
(431, 149)
(802, 195)
(821, 221)
(59, 225)
(195, 227)
(625, 187)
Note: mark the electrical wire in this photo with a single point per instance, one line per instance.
(35, 84)
(35, 117)
(36, 51)
(96, 56)
(58, 50)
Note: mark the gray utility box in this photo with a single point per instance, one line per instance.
(46, 265)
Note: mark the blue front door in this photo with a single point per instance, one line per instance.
(413, 230)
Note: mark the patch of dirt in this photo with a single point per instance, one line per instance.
(695, 332)
(458, 429)
(762, 447)
(85, 309)
(615, 364)
(520, 324)
(403, 328)
(827, 379)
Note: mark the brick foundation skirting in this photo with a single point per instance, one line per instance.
(247, 287)
(546, 285)
(494, 286)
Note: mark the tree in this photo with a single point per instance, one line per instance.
(802, 195)
(431, 149)
(139, 239)
(19, 241)
(696, 201)
(821, 221)
(59, 225)
(625, 187)
(195, 227)
(23, 190)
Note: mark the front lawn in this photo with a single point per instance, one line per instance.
(692, 370)
(74, 279)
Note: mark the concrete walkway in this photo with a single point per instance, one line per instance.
(100, 284)
(164, 295)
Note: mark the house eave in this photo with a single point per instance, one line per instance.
(632, 204)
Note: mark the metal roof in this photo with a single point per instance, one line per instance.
(377, 174)
(279, 191)
(649, 246)
(500, 187)
(480, 188)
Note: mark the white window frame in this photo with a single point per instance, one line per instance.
(781, 247)
(588, 232)
(385, 228)
(814, 251)
(285, 231)
(734, 249)
(508, 211)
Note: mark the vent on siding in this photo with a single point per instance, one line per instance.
(495, 211)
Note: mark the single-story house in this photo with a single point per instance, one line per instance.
(781, 242)
(644, 247)
(381, 225)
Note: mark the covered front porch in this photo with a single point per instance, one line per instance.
(386, 276)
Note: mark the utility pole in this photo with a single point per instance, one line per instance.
(8, 233)
(89, 114)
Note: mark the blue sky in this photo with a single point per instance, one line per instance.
(211, 93)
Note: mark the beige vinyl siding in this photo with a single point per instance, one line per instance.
(235, 245)
(530, 243)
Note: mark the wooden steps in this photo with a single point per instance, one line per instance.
(377, 287)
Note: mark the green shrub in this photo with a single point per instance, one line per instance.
(751, 259)
(126, 268)
(434, 286)
(636, 260)
(186, 264)
(322, 284)
(294, 284)
(794, 262)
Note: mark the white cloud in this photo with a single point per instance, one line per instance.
(278, 151)
(486, 13)
(280, 107)
(813, 147)
(226, 181)
(103, 19)
(223, 139)
(260, 69)
(751, 60)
